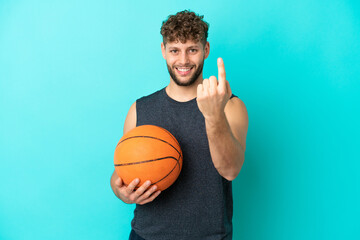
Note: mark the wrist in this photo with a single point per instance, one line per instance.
(216, 126)
(215, 120)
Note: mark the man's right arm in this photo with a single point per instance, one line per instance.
(143, 194)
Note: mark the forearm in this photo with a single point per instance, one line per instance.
(226, 151)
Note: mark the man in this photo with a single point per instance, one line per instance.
(211, 126)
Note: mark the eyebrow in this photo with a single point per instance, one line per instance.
(194, 46)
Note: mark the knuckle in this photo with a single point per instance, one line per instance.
(136, 194)
(132, 198)
(147, 194)
(222, 92)
(150, 193)
(140, 189)
(124, 193)
(144, 187)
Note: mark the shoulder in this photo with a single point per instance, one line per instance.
(150, 96)
(130, 120)
(235, 104)
(139, 108)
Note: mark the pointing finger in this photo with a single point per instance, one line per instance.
(221, 74)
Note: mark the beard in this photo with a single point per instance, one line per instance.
(192, 79)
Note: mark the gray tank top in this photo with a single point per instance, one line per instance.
(199, 205)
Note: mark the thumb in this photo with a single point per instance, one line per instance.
(118, 182)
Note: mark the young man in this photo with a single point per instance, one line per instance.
(211, 126)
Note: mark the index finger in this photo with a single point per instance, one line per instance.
(221, 73)
(130, 188)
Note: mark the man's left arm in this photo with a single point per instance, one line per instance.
(226, 123)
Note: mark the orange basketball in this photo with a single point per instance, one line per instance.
(148, 152)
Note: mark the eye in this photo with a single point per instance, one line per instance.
(173, 51)
(193, 50)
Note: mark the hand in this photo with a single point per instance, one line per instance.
(212, 95)
(142, 195)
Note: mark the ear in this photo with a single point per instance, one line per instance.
(207, 49)
(163, 50)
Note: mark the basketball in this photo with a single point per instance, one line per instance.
(148, 152)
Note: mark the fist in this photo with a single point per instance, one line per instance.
(213, 94)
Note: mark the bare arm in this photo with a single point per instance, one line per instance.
(143, 194)
(227, 138)
(226, 123)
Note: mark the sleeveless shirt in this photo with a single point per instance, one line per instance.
(199, 205)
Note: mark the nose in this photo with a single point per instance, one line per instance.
(184, 58)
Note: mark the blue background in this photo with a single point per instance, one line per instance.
(69, 71)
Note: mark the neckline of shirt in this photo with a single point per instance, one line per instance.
(174, 101)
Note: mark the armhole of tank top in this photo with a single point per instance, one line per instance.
(232, 96)
(136, 111)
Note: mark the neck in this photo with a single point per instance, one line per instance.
(183, 93)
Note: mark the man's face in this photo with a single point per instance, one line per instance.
(185, 61)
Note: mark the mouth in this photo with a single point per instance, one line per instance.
(183, 71)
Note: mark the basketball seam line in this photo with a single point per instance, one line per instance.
(172, 136)
(145, 161)
(152, 160)
(148, 137)
(166, 175)
(177, 164)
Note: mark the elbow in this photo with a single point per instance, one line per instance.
(231, 176)
(234, 171)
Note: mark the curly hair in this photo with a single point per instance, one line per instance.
(183, 26)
